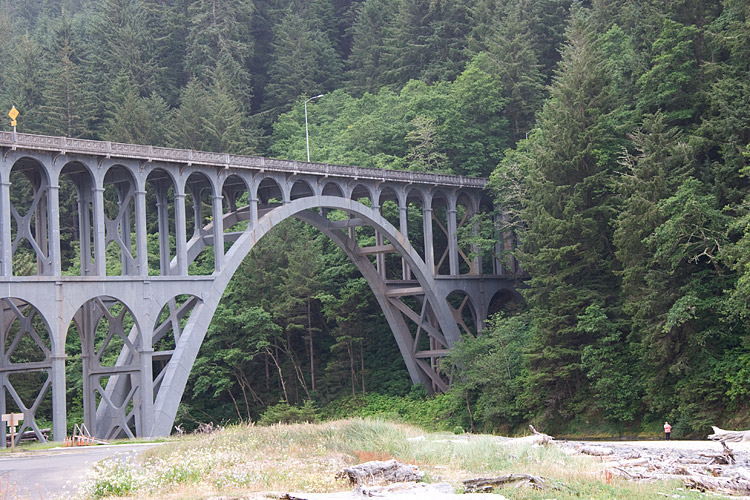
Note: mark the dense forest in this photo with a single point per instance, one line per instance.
(616, 134)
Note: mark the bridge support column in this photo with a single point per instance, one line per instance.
(452, 239)
(253, 208)
(180, 221)
(145, 355)
(429, 254)
(403, 221)
(53, 221)
(100, 251)
(218, 220)
(6, 262)
(141, 243)
(59, 415)
(162, 209)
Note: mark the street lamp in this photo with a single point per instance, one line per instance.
(307, 136)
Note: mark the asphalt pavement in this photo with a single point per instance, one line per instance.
(44, 474)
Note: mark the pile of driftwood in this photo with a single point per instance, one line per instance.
(28, 436)
(724, 471)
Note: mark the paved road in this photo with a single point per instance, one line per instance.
(45, 473)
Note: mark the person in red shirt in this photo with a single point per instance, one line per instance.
(667, 430)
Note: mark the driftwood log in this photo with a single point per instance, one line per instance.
(486, 485)
(28, 436)
(732, 436)
(381, 472)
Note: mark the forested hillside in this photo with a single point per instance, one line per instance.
(616, 134)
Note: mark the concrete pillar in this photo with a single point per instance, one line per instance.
(218, 217)
(162, 209)
(253, 207)
(180, 221)
(379, 257)
(403, 220)
(59, 422)
(6, 243)
(53, 203)
(141, 233)
(477, 262)
(429, 253)
(145, 355)
(100, 238)
(452, 238)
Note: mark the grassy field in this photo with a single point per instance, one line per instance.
(240, 461)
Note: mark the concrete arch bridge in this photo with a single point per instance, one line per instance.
(83, 268)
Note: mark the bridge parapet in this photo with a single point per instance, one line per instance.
(66, 145)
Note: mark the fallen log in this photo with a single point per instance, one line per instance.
(627, 462)
(726, 457)
(536, 438)
(595, 451)
(28, 436)
(732, 436)
(488, 484)
(733, 486)
(381, 472)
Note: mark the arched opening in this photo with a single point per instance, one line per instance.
(389, 260)
(76, 220)
(270, 193)
(507, 301)
(300, 189)
(119, 222)
(440, 235)
(464, 312)
(465, 236)
(26, 366)
(29, 217)
(266, 311)
(160, 197)
(415, 221)
(102, 346)
(332, 189)
(235, 209)
(199, 227)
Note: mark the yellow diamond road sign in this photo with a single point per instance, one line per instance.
(13, 113)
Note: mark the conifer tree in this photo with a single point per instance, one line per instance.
(134, 119)
(566, 248)
(69, 103)
(512, 53)
(303, 63)
(220, 39)
(123, 43)
(368, 45)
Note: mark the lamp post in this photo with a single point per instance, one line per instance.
(307, 136)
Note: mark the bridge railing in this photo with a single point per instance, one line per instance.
(188, 156)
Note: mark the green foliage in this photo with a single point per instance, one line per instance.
(616, 135)
(283, 413)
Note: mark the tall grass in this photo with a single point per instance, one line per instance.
(305, 457)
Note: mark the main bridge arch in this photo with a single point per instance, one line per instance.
(149, 305)
(434, 321)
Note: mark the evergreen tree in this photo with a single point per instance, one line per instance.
(566, 248)
(69, 103)
(134, 119)
(303, 63)
(123, 44)
(672, 82)
(512, 53)
(220, 39)
(368, 45)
